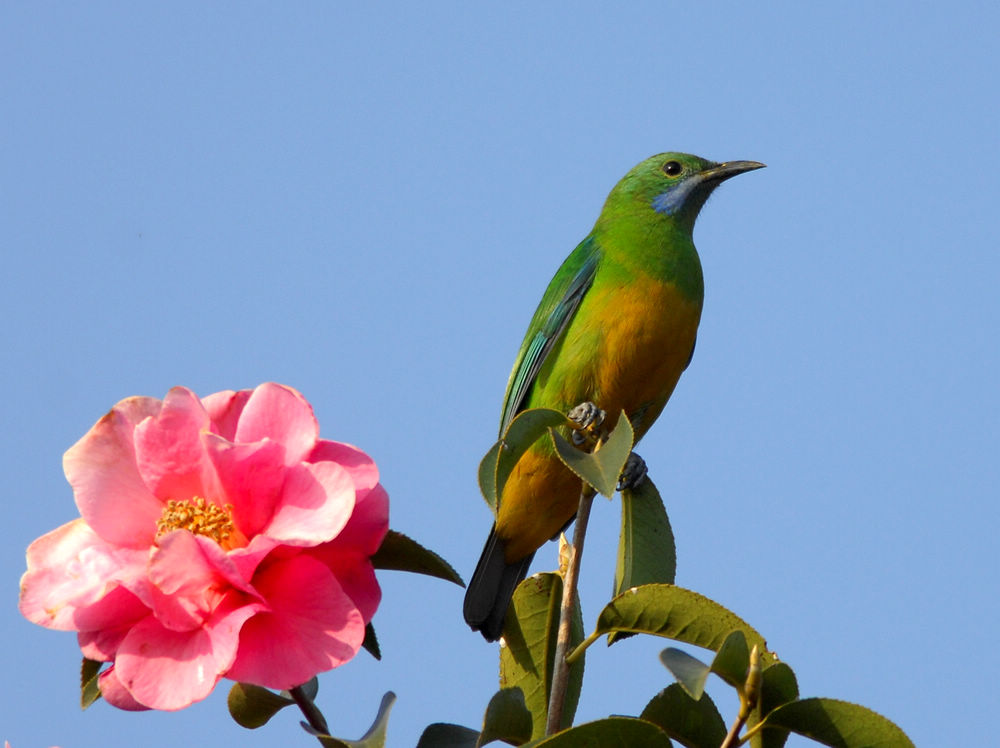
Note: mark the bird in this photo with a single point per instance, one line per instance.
(616, 327)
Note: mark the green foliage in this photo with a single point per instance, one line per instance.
(90, 690)
(446, 735)
(526, 662)
(730, 663)
(252, 706)
(691, 722)
(507, 718)
(400, 553)
(646, 550)
(601, 468)
(778, 686)
(675, 613)
(613, 732)
(528, 427)
(837, 723)
(370, 642)
(374, 738)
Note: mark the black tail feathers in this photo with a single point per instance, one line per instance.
(491, 588)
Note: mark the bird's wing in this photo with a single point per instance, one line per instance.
(556, 309)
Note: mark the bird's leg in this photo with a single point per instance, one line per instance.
(633, 474)
(587, 419)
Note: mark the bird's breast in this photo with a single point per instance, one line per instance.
(639, 335)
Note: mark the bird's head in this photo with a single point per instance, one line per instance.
(673, 185)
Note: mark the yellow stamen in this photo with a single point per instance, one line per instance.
(201, 517)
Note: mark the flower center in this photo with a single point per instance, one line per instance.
(201, 517)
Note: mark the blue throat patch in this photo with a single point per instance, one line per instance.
(671, 201)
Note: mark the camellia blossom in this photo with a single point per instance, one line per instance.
(218, 537)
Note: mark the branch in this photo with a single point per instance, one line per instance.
(560, 675)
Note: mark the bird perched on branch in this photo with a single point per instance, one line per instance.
(616, 327)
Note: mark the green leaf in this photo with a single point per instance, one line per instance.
(252, 706)
(445, 735)
(527, 428)
(676, 613)
(694, 723)
(732, 661)
(90, 690)
(690, 672)
(646, 550)
(309, 689)
(778, 686)
(400, 553)
(487, 485)
(611, 732)
(603, 467)
(838, 723)
(527, 659)
(370, 642)
(374, 738)
(507, 718)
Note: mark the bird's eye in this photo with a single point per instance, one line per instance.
(672, 168)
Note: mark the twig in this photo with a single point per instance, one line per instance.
(312, 713)
(560, 674)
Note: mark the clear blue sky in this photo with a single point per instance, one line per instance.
(366, 204)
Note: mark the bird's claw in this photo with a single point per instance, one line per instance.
(587, 419)
(633, 474)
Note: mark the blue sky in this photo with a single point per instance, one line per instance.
(367, 202)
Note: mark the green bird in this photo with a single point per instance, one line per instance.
(616, 327)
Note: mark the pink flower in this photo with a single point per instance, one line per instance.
(218, 537)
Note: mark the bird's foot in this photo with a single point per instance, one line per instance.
(587, 419)
(633, 474)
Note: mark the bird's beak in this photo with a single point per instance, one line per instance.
(721, 172)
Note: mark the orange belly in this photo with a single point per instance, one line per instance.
(624, 350)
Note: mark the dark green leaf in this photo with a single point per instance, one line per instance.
(90, 690)
(694, 723)
(612, 732)
(309, 689)
(507, 718)
(527, 428)
(488, 482)
(690, 672)
(374, 738)
(400, 553)
(370, 642)
(530, 632)
(444, 735)
(646, 550)
(252, 706)
(602, 468)
(778, 686)
(676, 613)
(732, 661)
(838, 723)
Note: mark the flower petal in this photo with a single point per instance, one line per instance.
(170, 453)
(116, 694)
(251, 476)
(361, 467)
(69, 569)
(224, 410)
(280, 413)
(312, 627)
(369, 523)
(316, 503)
(164, 669)
(190, 575)
(107, 485)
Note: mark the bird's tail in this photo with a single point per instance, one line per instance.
(492, 587)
